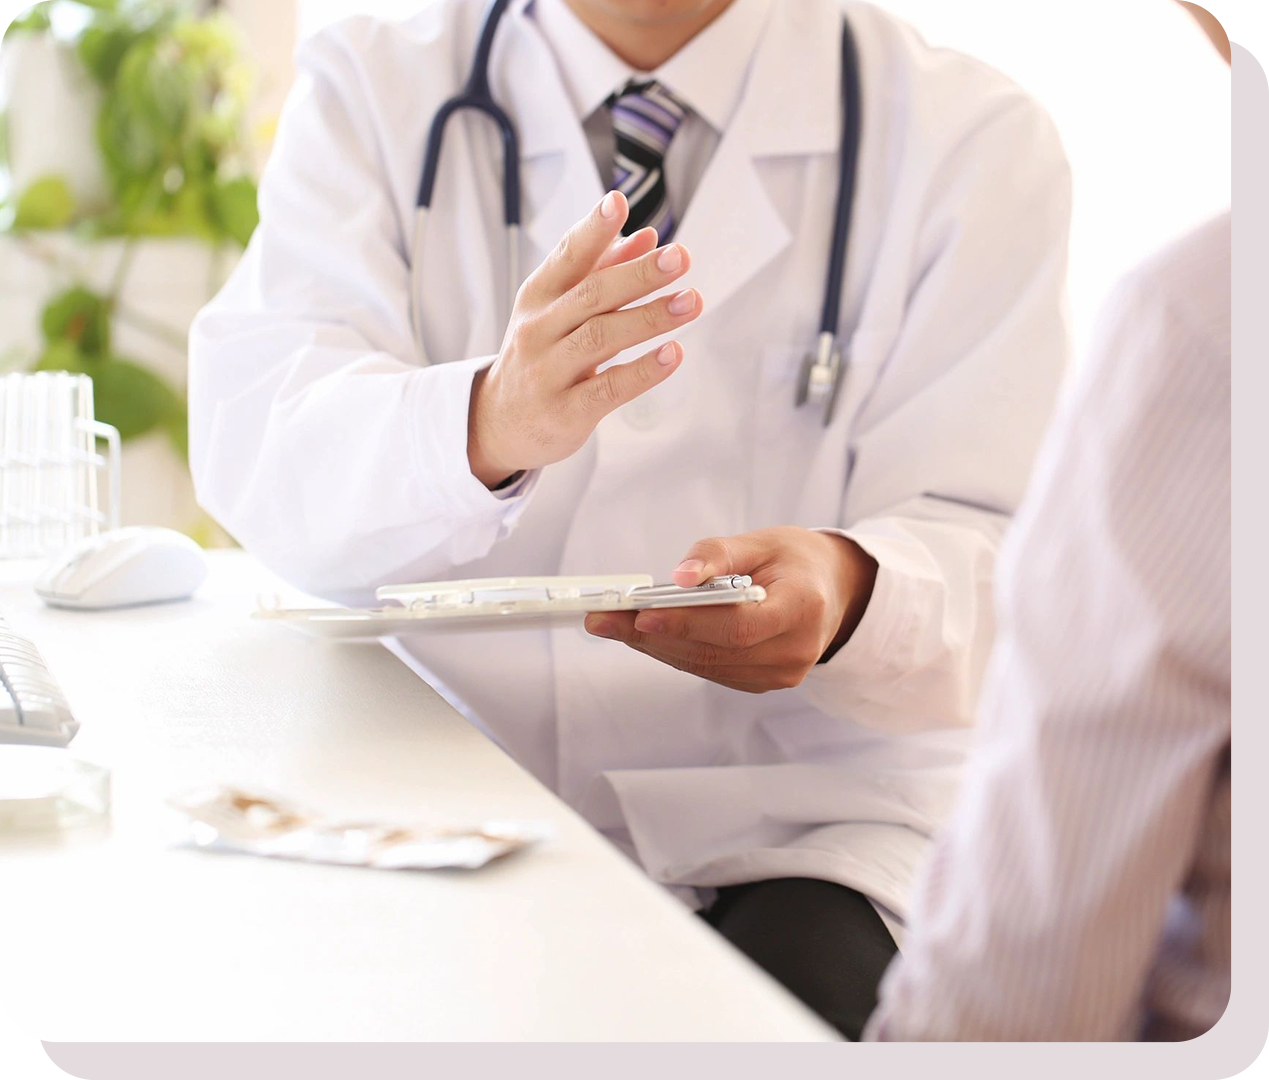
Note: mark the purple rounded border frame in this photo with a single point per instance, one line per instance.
(1229, 1050)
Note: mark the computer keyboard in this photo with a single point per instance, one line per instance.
(32, 706)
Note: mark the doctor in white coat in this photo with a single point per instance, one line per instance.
(344, 460)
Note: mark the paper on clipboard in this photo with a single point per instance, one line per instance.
(504, 603)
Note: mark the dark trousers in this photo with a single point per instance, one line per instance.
(823, 941)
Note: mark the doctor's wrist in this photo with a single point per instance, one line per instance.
(856, 576)
(485, 466)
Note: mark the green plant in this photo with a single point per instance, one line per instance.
(77, 330)
(171, 137)
(37, 18)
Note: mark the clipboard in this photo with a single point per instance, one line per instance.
(505, 603)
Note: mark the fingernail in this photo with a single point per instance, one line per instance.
(608, 206)
(683, 302)
(670, 259)
(601, 629)
(667, 354)
(649, 624)
(689, 566)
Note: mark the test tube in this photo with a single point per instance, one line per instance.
(83, 498)
(49, 494)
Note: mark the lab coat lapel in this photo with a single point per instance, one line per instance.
(557, 170)
(732, 226)
(559, 188)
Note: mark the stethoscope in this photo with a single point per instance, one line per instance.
(823, 370)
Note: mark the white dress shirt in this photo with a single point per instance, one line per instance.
(707, 76)
(1081, 888)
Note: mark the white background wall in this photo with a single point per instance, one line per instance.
(1140, 97)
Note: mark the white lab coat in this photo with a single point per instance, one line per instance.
(323, 444)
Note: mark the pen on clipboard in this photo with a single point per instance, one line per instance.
(729, 581)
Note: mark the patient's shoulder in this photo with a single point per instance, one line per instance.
(1186, 283)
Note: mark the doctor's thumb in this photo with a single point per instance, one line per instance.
(705, 559)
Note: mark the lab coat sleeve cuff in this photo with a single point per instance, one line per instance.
(440, 404)
(869, 670)
(877, 643)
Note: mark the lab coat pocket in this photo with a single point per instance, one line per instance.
(799, 468)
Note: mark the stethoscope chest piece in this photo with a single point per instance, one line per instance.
(821, 377)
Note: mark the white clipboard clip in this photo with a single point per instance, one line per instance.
(488, 603)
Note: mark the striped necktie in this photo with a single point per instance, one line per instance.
(644, 118)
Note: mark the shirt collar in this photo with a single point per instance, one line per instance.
(707, 75)
(589, 69)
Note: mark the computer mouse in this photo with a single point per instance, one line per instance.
(124, 568)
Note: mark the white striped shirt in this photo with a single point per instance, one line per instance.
(1080, 890)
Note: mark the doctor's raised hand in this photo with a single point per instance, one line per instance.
(818, 587)
(541, 399)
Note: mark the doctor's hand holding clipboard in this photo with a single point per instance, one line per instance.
(818, 586)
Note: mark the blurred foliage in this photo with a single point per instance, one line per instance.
(80, 317)
(48, 203)
(77, 337)
(171, 128)
(35, 19)
(171, 134)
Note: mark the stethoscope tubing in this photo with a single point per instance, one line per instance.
(477, 96)
(848, 169)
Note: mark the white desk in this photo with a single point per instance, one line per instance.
(128, 939)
